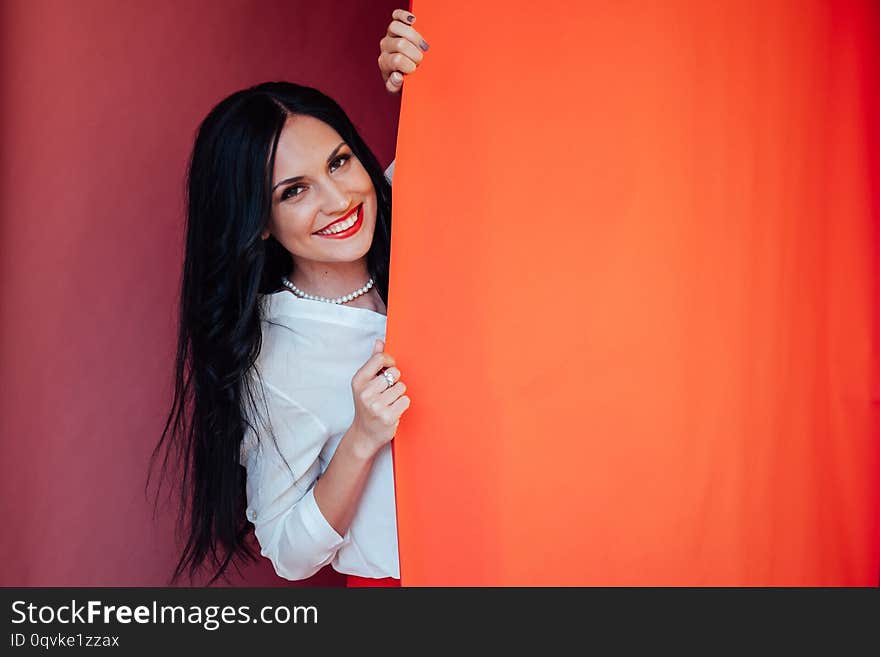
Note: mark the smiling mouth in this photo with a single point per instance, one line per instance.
(342, 223)
(346, 226)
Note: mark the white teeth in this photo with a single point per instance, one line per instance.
(338, 228)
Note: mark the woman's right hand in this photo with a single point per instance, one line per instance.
(401, 49)
(377, 408)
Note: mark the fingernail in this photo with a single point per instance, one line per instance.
(410, 18)
(395, 78)
(424, 45)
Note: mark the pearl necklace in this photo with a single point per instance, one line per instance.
(312, 297)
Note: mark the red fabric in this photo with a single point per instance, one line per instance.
(97, 126)
(367, 582)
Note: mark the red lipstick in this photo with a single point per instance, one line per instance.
(348, 232)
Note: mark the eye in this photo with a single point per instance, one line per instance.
(292, 191)
(296, 190)
(339, 161)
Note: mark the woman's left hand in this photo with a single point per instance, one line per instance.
(402, 50)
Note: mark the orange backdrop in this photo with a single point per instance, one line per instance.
(634, 295)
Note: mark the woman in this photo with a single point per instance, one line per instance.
(280, 363)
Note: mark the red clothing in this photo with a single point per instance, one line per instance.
(354, 581)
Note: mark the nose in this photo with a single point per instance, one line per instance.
(336, 200)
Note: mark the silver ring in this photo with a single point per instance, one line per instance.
(389, 379)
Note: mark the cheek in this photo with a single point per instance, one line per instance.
(293, 221)
(363, 182)
(372, 206)
(368, 191)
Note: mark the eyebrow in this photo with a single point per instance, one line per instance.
(296, 178)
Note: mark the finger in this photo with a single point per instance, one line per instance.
(403, 15)
(378, 385)
(394, 372)
(394, 81)
(395, 44)
(398, 29)
(396, 62)
(392, 394)
(369, 369)
(401, 405)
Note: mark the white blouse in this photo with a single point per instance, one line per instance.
(310, 352)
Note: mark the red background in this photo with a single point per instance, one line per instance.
(99, 103)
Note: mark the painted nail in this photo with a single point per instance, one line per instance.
(424, 44)
(410, 18)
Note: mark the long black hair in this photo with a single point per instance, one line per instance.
(227, 265)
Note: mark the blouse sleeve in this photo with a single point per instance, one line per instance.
(290, 528)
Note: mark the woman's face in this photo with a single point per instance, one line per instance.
(317, 181)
